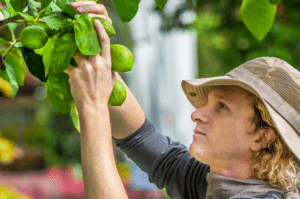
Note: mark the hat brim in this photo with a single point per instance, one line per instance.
(196, 90)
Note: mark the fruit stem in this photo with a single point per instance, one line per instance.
(41, 21)
(10, 48)
(37, 18)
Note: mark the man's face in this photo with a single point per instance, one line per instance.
(224, 130)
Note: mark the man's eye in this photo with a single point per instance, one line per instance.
(221, 105)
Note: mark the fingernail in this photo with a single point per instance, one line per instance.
(73, 3)
(80, 9)
(96, 21)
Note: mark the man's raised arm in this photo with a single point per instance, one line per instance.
(128, 118)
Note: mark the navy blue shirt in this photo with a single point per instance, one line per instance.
(169, 164)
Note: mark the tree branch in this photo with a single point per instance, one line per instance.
(2, 65)
(9, 20)
(10, 48)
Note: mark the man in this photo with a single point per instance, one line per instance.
(245, 144)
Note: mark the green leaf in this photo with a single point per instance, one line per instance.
(33, 7)
(4, 42)
(64, 48)
(58, 90)
(55, 7)
(3, 74)
(17, 65)
(47, 52)
(19, 44)
(68, 27)
(75, 116)
(12, 79)
(34, 63)
(55, 20)
(107, 26)
(67, 8)
(86, 36)
(26, 15)
(9, 7)
(45, 3)
(274, 2)
(5, 13)
(126, 9)
(258, 16)
(11, 26)
(61, 2)
(19, 5)
(46, 11)
(88, 0)
(9, 75)
(161, 3)
(15, 59)
(39, 51)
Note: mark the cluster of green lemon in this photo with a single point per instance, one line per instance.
(35, 37)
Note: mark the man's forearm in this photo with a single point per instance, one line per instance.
(101, 178)
(128, 118)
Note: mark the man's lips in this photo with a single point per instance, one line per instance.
(199, 132)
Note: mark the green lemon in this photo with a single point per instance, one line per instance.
(122, 59)
(33, 37)
(118, 94)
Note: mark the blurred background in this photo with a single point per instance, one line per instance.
(187, 39)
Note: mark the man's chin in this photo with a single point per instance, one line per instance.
(197, 152)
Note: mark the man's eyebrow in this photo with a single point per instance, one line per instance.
(222, 97)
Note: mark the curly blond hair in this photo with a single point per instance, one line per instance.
(275, 164)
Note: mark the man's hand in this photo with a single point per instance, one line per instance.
(125, 119)
(92, 8)
(91, 85)
(93, 80)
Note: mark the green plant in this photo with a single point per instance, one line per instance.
(53, 32)
(68, 31)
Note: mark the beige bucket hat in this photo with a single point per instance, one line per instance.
(271, 79)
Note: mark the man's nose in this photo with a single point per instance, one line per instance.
(200, 115)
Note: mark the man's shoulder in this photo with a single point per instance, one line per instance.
(268, 195)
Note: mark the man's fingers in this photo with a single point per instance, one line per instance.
(103, 38)
(94, 8)
(96, 15)
(82, 3)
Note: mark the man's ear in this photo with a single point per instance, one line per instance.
(264, 136)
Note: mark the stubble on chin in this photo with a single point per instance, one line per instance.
(196, 151)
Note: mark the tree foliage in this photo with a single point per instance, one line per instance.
(228, 34)
(224, 42)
